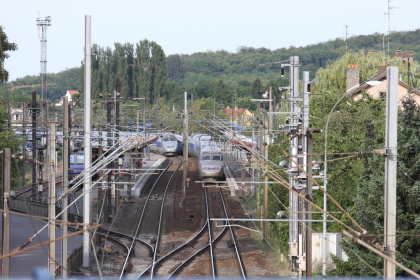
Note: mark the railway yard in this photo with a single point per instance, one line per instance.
(159, 233)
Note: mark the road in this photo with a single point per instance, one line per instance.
(22, 265)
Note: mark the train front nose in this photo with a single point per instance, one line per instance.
(210, 171)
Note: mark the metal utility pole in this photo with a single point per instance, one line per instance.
(51, 212)
(5, 264)
(391, 170)
(87, 143)
(64, 267)
(307, 163)
(293, 152)
(294, 120)
(34, 162)
(42, 24)
(185, 165)
(117, 134)
(346, 26)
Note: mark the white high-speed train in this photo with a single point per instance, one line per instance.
(166, 144)
(209, 154)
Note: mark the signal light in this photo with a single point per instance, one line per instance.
(282, 72)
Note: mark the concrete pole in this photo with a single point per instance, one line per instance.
(307, 163)
(265, 223)
(33, 128)
(24, 143)
(64, 272)
(192, 114)
(51, 216)
(270, 115)
(87, 142)
(185, 165)
(214, 117)
(9, 116)
(5, 264)
(391, 170)
(260, 147)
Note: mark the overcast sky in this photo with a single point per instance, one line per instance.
(189, 26)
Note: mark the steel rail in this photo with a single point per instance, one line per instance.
(210, 235)
(241, 266)
(140, 221)
(129, 236)
(160, 219)
(210, 244)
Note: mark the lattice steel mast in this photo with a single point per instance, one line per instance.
(42, 24)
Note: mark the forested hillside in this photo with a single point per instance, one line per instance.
(145, 71)
(58, 85)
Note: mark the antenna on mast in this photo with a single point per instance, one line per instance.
(346, 26)
(389, 19)
(42, 24)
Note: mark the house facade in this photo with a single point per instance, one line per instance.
(376, 86)
(70, 94)
(241, 117)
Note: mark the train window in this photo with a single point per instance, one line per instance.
(216, 157)
(206, 157)
(71, 159)
(80, 159)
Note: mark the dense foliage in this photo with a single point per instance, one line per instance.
(5, 46)
(368, 199)
(7, 138)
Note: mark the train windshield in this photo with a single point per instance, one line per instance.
(77, 159)
(168, 139)
(211, 157)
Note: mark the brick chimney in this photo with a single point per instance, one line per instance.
(408, 56)
(353, 76)
(381, 69)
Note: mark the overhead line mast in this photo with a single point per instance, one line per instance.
(42, 24)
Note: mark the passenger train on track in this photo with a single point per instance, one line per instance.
(209, 154)
(166, 144)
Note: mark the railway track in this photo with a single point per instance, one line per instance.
(212, 249)
(152, 211)
(174, 262)
(45, 187)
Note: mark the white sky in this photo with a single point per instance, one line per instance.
(189, 26)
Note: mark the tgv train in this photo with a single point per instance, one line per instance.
(209, 154)
(166, 145)
(241, 140)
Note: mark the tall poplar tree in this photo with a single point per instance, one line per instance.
(150, 70)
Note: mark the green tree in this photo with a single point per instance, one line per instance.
(150, 70)
(370, 193)
(6, 46)
(257, 88)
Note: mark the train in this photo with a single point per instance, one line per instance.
(209, 154)
(166, 144)
(77, 164)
